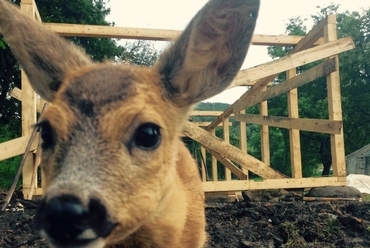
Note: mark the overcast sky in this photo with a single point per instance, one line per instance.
(175, 14)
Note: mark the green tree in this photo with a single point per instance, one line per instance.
(140, 53)
(92, 12)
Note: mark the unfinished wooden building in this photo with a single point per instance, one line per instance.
(320, 44)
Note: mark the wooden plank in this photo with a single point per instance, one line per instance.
(294, 60)
(304, 124)
(243, 140)
(214, 162)
(288, 183)
(279, 40)
(294, 136)
(37, 192)
(17, 94)
(226, 137)
(231, 152)
(206, 113)
(278, 66)
(203, 163)
(305, 77)
(315, 34)
(26, 2)
(308, 198)
(36, 165)
(306, 42)
(229, 165)
(335, 107)
(28, 107)
(79, 30)
(28, 99)
(36, 12)
(205, 124)
(15, 147)
(265, 136)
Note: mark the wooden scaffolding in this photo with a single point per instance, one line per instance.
(320, 44)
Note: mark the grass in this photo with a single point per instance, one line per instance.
(365, 197)
(8, 169)
(293, 238)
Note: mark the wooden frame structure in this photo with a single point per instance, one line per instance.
(320, 43)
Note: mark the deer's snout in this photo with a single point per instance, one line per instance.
(65, 221)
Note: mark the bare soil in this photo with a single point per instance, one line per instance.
(236, 224)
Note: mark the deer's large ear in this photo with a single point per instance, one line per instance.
(44, 56)
(209, 53)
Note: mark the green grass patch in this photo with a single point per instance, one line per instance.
(365, 197)
(8, 169)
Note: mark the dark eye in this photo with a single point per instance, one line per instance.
(47, 135)
(147, 136)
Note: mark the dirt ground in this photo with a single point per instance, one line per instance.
(240, 224)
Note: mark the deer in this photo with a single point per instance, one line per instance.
(115, 172)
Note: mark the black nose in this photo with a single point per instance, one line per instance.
(66, 221)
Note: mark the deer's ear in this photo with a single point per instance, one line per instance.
(209, 53)
(44, 56)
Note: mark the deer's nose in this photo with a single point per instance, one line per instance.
(66, 221)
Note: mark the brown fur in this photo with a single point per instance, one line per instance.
(153, 196)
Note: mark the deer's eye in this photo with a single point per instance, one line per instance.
(147, 136)
(47, 135)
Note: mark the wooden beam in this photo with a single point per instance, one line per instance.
(214, 161)
(203, 113)
(28, 107)
(279, 40)
(203, 163)
(311, 37)
(26, 2)
(304, 43)
(28, 95)
(36, 12)
(294, 60)
(288, 183)
(280, 65)
(335, 107)
(79, 30)
(37, 192)
(264, 132)
(205, 124)
(17, 94)
(243, 140)
(294, 135)
(226, 137)
(304, 124)
(305, 77)
(231, 152)
(229, 165)
(15, 147)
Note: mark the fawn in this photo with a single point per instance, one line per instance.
(115, 173)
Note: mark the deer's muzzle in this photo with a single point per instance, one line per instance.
(66, 222)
